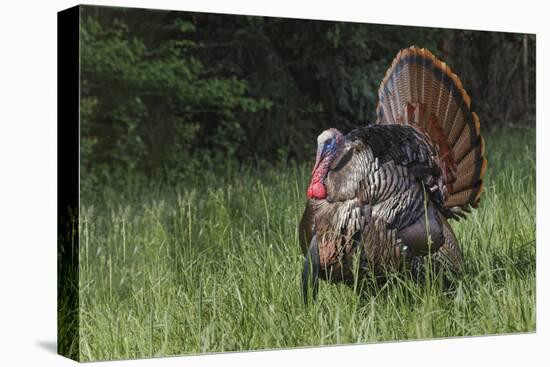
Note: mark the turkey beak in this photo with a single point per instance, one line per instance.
(318, 158)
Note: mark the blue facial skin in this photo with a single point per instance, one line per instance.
(329, 146)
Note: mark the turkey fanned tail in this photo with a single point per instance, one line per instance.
(421, 91)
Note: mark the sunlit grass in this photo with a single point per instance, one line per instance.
(214, 265)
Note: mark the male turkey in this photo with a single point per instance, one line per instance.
(389, 188)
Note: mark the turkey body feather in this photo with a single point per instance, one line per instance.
(376, 190)
(392, 186)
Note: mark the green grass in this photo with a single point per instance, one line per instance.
(214, 265)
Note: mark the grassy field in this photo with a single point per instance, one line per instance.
(214, 265)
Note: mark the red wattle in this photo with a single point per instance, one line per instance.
(316, 190)
(310, 192)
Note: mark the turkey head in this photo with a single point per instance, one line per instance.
(329, 146)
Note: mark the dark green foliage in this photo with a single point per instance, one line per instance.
(147, 104)
(317, 74)
(169, 93)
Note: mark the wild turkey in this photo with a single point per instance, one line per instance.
(388, 189)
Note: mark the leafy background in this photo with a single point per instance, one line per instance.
(165, 94)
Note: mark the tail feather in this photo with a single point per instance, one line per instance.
(422, 91)
(470, 194)
(468, 139)
(467, 167)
